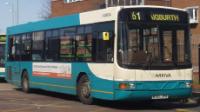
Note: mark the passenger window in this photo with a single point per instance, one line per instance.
(14, 48)
(38, 46)
(104, 46)
(84, 44)
(67, 44)
(52, 45)
(26, 47)
(11, 49)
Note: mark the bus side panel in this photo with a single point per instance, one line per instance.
(15, 71)
(13, 74)
(101, 88)
(53, 83)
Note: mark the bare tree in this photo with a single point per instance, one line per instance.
(46, 9)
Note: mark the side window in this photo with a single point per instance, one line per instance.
(104, 42)
(15, 48)
(26, 47)
(67, 44)
(2, 54)
(11, 49)
(52, 45)
(38, 46)
(84, 43)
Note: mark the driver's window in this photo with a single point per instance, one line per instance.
(134, 53)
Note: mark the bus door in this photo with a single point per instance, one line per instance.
(13, 63)
(173, 51)
(164, 47)
(151, 45)
(166, 37)
(2, 61)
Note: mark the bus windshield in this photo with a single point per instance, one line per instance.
(153, 44)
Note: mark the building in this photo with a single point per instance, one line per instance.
(65, 7)
(193, 8)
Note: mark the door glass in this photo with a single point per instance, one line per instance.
(2, 48)
(151, 43)
(167, 48)
(180, 46)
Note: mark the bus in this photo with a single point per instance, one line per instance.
(117, 53)
(2, 55)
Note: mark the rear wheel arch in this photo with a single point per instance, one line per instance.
(24, 72)
(25, 81)
(81, 74)
(83, 89)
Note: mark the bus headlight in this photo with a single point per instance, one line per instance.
(188, 85)
(132, 86)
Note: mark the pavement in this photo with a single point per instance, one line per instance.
(196, 91)
(196, 88)
(13, 99)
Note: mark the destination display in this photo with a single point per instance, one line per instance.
(153, 15)
(2, 38)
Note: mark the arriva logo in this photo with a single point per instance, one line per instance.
(163, 75)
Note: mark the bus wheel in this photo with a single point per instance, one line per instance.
(25, 83)
(84, 90)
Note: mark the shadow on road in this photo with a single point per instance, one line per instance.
(52, 94)
(2, 80)
(146, 105)
(128, 105)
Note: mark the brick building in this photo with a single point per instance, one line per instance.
(65, 7)
(193, 7)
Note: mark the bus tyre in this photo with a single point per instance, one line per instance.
(25, 83)
(84, 90)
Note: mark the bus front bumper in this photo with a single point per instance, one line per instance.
(153, 95)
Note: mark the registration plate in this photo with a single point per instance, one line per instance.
(160, 97)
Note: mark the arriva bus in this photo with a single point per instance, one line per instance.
(2, 55)
(117, 53)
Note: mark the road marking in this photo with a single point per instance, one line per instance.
(55, 105)
(197, 92)
(99, 110)
(18, 110)
(6, 89)
(182, 110)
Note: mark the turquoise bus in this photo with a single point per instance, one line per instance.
(2, 55)
(117, 53)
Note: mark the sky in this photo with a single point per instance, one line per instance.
(29, 11)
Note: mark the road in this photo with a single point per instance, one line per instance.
(14, 100)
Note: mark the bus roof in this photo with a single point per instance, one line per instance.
(2, 34)
(101, 15)
(2, 38)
